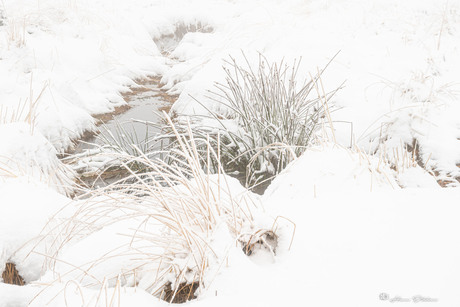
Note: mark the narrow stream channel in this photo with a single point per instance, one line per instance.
(125, 127)
(145, 106)
(125, 124)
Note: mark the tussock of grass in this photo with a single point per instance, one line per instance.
(176, 208)
(276, 118)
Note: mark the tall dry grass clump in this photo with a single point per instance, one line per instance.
(177, 211)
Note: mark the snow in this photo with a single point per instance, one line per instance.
(26, 210)
(28, 153)
(365, 215)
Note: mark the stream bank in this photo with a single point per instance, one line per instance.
(122, 126)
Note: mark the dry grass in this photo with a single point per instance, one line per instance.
(185, 292)
(54, 173)
(25, 111)
(11, 275)
(407, 156)
(16, 33)
(400, 158)
(261, 238)
(177, 208)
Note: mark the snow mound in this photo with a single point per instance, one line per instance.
(28, 153)
(27, 207)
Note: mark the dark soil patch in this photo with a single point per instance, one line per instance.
(414, 148)
(167, 98)
(129, 96)
(445, 183)
(267, 240)
(11, 275)
(143, 86)
(258, 188)
(103, 118)
(185, 292)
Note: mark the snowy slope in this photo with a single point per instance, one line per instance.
(349, 245)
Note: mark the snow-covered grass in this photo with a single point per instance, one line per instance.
(266, 117)
(167, 227)
(26, 207)
(28, 154)
(368, 218)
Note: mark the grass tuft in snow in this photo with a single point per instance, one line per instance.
(177, 212)
(269, 117)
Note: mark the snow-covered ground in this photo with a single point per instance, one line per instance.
(368, 225)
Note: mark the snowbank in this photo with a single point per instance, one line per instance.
(343, 245)
(27, 153)
(72, 60)
(26, 209)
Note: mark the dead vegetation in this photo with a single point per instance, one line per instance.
(168, 42)
(181, 294)
(180, 207)
(444, 180)
(11, 275)
(261, 239)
